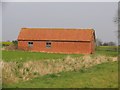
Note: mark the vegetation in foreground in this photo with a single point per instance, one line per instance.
(105, 75)
(100, 76)
(17, 71)
(22, 56)
(31, 56)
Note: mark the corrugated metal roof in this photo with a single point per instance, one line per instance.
(56, 34)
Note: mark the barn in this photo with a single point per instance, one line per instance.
(57, 40)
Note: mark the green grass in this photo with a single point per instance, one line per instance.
(107, 50)
(25, 56)
(100, 76)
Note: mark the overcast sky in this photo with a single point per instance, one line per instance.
(99, 16)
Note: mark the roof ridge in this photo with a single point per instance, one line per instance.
(61, 28)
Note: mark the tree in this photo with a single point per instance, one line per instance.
(111, 43)
(117, 21)
(15, 42)
(105, 44)
(108, 43)
(98, 42)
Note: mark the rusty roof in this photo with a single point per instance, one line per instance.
(56, 34)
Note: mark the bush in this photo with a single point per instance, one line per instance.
(11, 47)
(15, 42)
(6, 43)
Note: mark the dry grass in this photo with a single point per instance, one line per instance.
(10, 47)
(0, 74)
(16, 71)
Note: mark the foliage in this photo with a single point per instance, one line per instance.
(104, 75)
(98, 42)
(108, 44)
(100, 76)
(15, 42)
(6, 43)
(30, 69)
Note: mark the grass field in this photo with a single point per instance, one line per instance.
(100, 76)
(25, 56)
(107, 50)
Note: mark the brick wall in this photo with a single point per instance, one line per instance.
(58, 47)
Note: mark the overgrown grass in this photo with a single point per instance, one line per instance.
(100, 76)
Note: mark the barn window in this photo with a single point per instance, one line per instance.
(30, 44)
(48, 44)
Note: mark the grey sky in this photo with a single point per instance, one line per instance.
(98, 16)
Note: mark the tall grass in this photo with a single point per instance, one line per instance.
(100, 76)
(19, 66)
(17, 71)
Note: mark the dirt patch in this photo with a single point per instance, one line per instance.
(17, 71)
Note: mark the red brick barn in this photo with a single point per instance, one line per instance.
(57, 40)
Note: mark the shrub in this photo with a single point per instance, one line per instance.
(6, 43)
(15, 42)
(11, 47)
